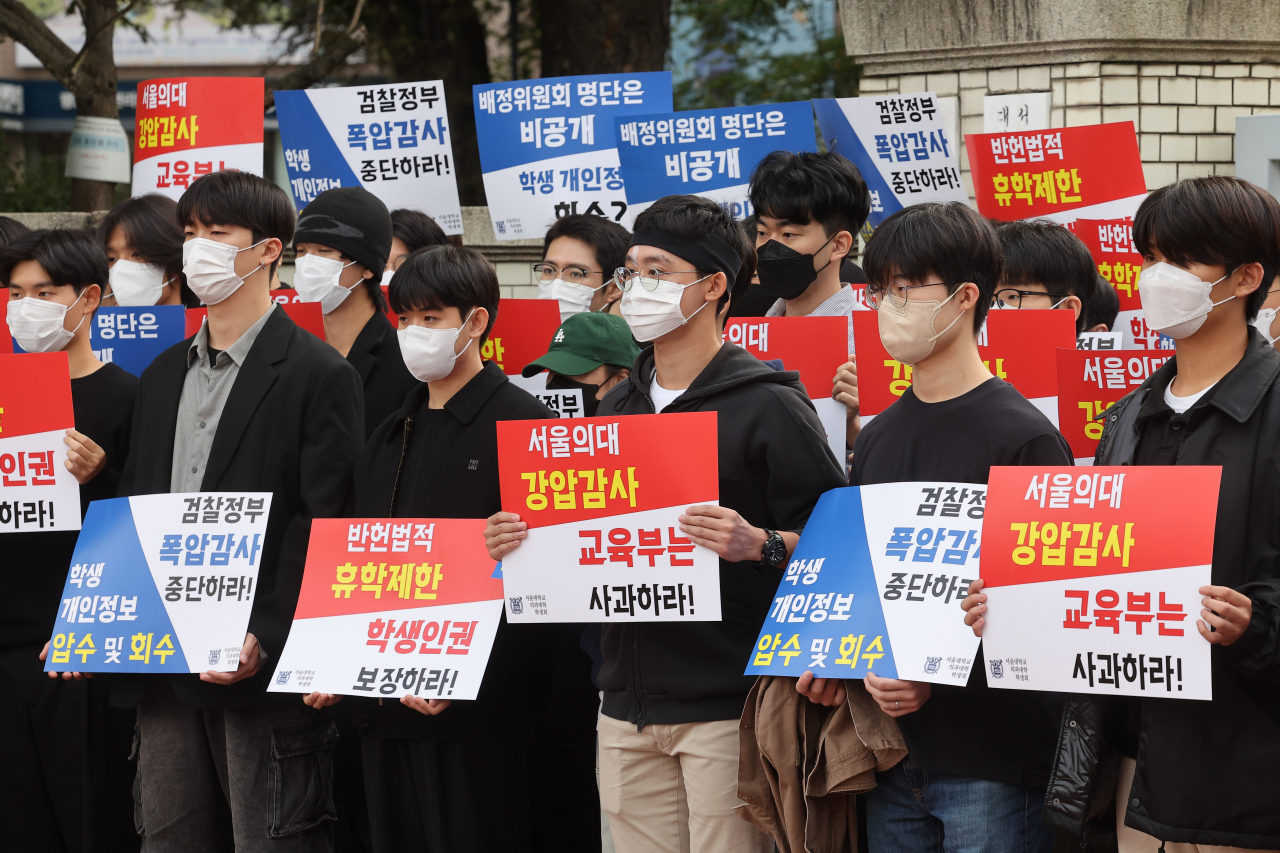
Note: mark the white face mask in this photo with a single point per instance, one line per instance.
(1266, 316)
(1175, 302)
(133, 283)
(316, 280)
(428, 353)
(907, 332)
(38, 324)
(210, 268)
(651, 314)
(573, 298)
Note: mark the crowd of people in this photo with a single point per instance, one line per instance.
(630, 736)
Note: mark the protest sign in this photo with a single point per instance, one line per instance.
(37, 492)
(1099, 341)
(814, 346)
(393, 607)
(901, 146)
(161, 583)
(1016, 345)
(1093, 578)
(191, 126)
(133, 336)
(1110, 242)
(1089, 383)
(521, 333)
(547, 147)
(710, 153)
(602, 498)
(308, 315)
(566, 403)
(394, 140)
(861, 593)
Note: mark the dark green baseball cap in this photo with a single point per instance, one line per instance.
(584, 342)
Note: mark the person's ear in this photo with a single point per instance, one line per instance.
(1100, 327)
(269, 252)
(719, 284)
(479, 321)
(1250, 280)
(612, 293)
(969, 298)
(1074, 303)
(841, 244)
(92, 296)
(367, 273)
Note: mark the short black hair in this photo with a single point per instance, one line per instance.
(150, 225)
(948, 240)
(11, 229)
(690, 217)
(1104, 306)
(807, 186)
(239, 198)
(608, 240)
(1211, 221)
(416, 230)
(446, 276)
(68, 256)
(1037, 251)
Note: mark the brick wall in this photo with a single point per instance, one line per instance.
(1185, 115)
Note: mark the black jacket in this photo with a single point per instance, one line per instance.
(774, 465)
(1208, 772)
(375, 355)
(292, 426)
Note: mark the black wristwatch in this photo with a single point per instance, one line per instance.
(774, 551)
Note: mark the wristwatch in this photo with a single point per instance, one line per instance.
(774, 551)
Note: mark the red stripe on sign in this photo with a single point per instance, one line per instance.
(35, 393)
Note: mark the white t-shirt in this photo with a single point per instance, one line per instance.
(661, 396)
(1173, 401)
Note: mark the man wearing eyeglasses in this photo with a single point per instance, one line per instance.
(1045, 266)
(579, 255)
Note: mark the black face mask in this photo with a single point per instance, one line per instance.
(784, 272)
(589, 401)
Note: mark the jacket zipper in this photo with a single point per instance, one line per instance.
(404, 450)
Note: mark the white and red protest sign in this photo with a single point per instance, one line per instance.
(308, 315)
(814, 346)
(1110, 242)
(1089, 383)
(602, 498)
(191, 126)
(392, 607)
(1018, 346)
(37, 492)
(1093, 579)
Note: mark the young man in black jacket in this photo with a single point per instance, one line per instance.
(673, 692)
(250, 403)
(64, 773)
(343, 239)
(1198, 773)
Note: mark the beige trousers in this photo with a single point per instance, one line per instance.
(1133, 841)
(674, 788)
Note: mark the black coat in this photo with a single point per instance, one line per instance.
(292, 426)
(1208, 772)
(375, 355)
(774, 464)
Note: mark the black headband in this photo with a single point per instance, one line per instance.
(708, 253)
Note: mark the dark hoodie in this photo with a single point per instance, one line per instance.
(774, 465)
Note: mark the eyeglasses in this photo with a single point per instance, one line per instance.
(650, 277)
(573, 275)
(1012, 297)
(895, 292)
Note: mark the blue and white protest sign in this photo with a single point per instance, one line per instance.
(875, 585)
(547, 147)
(900, 144)
(161, 583)
(710, 153)
(394, 140)
(133, 336)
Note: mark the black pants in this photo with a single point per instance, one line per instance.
(65, 774)
(442, 796)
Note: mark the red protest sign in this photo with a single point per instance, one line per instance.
(1110, 242)
(1045, 172)
(306, 314)
(522, 333)
(1018, 346)
(815, 346)
(1089, 383)
(553, 473)
(35, 394)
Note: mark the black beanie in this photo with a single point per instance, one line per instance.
(352, 220)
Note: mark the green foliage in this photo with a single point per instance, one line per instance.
(44, 189)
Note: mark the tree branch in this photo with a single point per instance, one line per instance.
(108, 27)
(320, 66)
(22, 25)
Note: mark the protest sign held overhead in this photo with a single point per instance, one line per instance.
(37, 492)
(602, 498)
(901, 146)
(392, 139)
(391, 607)
(1092, 579)
(874, 586)
(1089, 383)
(191, 126)
(161, 583)
(547, 147)
(710, 153)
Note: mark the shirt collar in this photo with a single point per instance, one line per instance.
(1237, 394)
(837, 304)
(237, 352)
